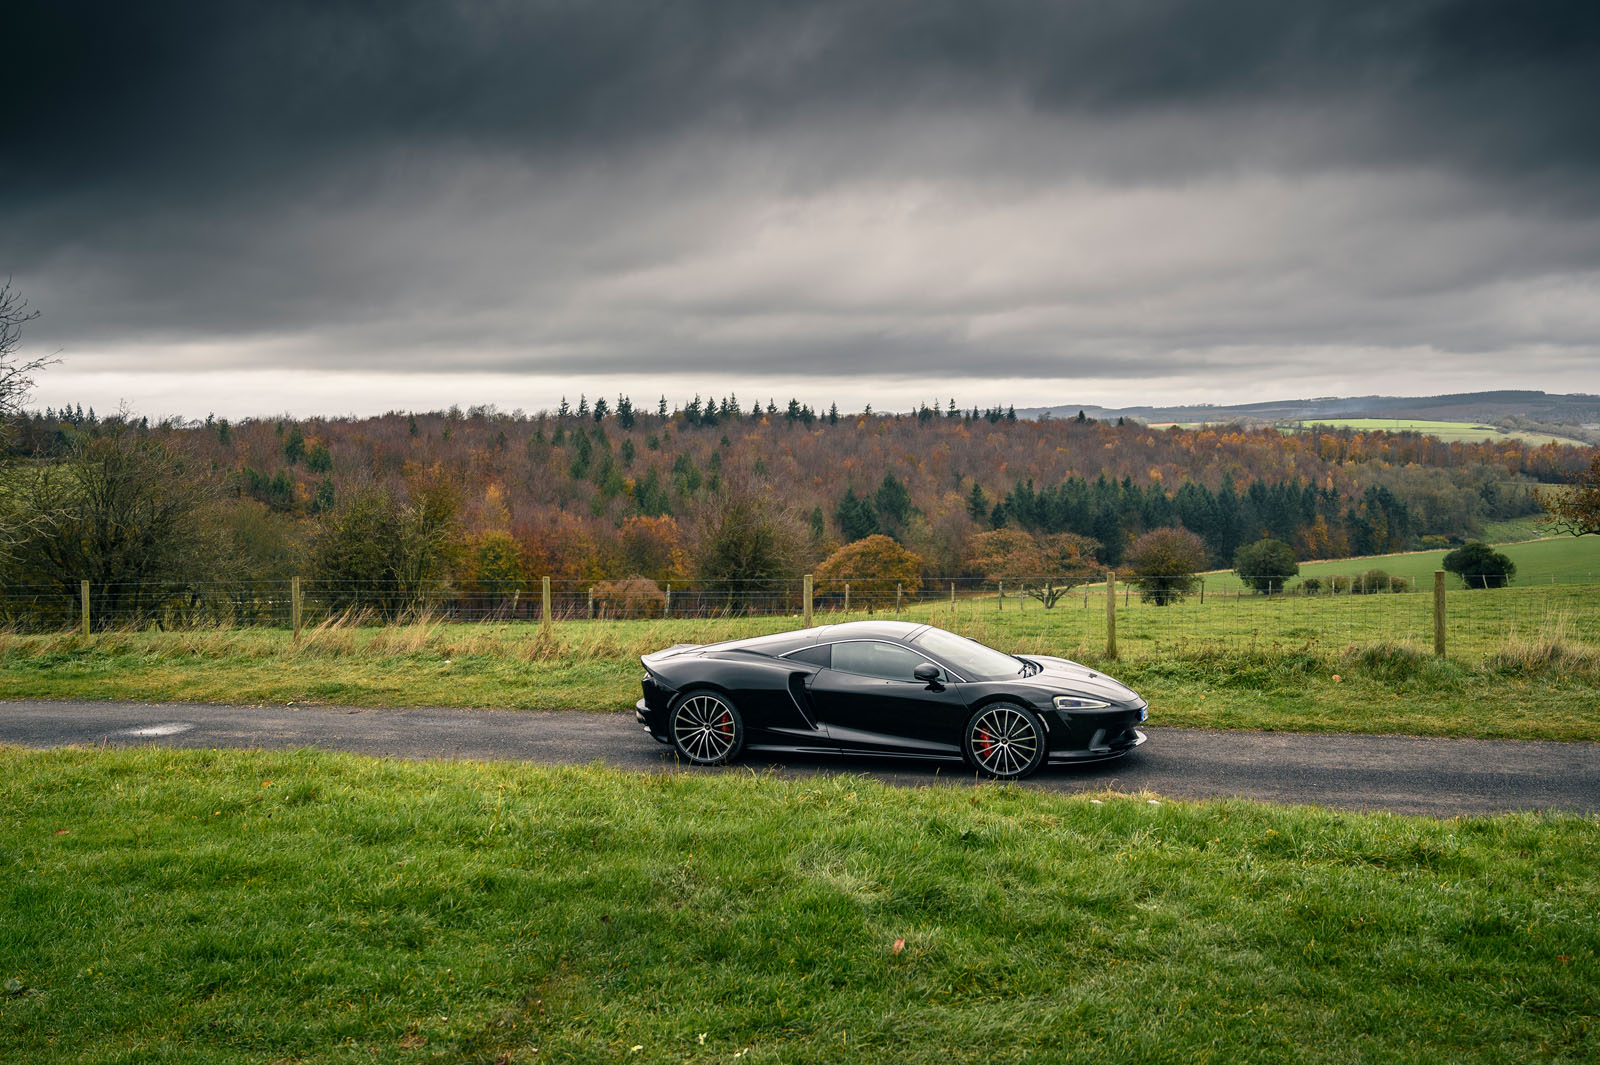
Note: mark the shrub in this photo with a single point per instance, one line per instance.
(1480, 566)
(1371, 582)
(1165, 562)
(632, 597)
(1265, 565)
(1341, 583)
(1311, 585)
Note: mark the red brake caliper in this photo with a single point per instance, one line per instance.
(725, 724)
(985, 744)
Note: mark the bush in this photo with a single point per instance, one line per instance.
(633, 597)
(1341, 583)
(1265, 565)
(1371, 582)
(1311, 585)
(1480, 566)
(1165, 562)
(1399, 584)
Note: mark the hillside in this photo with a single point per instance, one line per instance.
(1575, 416)
(483, 498)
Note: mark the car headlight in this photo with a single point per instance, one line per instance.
(1078, 702)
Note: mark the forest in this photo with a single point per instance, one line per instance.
(707, 491)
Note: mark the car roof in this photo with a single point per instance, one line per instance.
(869, 630)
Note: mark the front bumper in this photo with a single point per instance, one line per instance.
(1095, 735)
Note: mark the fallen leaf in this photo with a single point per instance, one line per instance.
(1337, 678)
(899, 945)
(63, 831)
(411, 1042)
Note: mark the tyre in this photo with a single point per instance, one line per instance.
(706, 729)
(1004, 741)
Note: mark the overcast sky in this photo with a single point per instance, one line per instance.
(330, 207)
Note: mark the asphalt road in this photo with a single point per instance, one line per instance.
(1404, 774)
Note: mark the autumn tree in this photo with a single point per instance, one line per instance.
(1576, 511)
(1165, 563)
(1265, 565)
(874, 568)
(652, 547)
(1044, 567)
(749, 548)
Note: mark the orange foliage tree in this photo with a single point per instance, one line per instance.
(1045, 567)
(873, 567)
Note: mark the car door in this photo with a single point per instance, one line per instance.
(868, 700)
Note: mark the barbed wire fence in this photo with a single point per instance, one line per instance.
(1109, 614)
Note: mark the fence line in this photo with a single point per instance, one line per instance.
(1104, 615)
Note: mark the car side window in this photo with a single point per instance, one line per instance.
(869, 658)
(817, 656)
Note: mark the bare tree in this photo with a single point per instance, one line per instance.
(16, 378)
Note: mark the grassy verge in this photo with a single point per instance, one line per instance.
(220, 907)
(1539, 687)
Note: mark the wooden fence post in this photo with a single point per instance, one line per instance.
(1111, 614)
(591, 602)
(1438, 612)
(296, 607)
(666, 607)
(897, 590)
(1000, 599)
(805, 594)
(952, 595)
(545, 620)
(847, 597)
(83, 602)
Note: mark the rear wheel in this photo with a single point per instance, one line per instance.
(706, 729)
(1005, 741)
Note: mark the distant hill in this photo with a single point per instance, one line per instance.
(1575, 415)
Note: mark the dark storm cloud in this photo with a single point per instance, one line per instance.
(182, 95)
(576, 185)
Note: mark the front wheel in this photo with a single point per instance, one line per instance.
(706, 729)
(1005, 741)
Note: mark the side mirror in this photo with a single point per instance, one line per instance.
(928, 673)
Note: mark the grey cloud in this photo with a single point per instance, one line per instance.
(923, 186)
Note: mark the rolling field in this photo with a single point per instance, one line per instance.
(1465, 432)
(250, 907)
(1551, 560)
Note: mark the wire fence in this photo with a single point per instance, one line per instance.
(1216, 609)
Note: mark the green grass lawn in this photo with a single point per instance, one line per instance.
(167, 906)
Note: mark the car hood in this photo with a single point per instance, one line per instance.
(1060, 676)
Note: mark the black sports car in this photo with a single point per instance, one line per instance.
(885, 688)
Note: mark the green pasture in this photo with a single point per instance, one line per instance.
(1553, 560)
(1463, 432)
(205, 907)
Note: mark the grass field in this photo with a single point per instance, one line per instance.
(248, 907)
(1553, 560)
(1465, 432)
(1346, 663)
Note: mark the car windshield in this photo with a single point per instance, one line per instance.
(968, 657)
